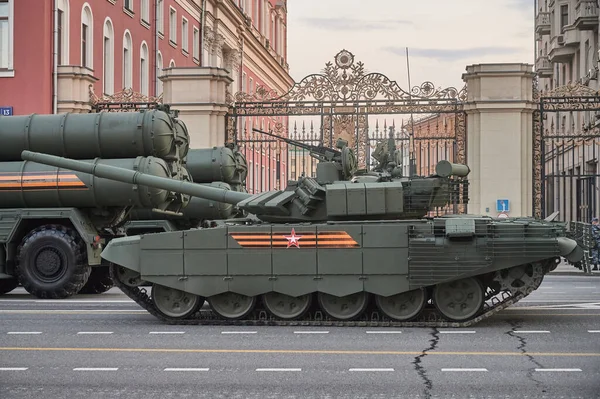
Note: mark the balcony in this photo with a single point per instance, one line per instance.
(571, 36)
(559, 52)
(543, 67)
(542, 23)
(586, 15)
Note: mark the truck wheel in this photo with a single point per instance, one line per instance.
(98, 282)
(52, 262)
(7, 285)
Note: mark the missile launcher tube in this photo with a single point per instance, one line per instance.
(33, 185)
(103, 135)
(113, 172)
(213, 164)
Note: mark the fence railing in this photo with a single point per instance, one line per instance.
(582, 233)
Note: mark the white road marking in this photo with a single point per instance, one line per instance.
(94, 332)
(311, 332)
(278, 369)
(457, 332)
(383, 332)
(238, 332)
(587, 287)
(557, 369)
(371, 369)
(76, 311)
(531, 332)
(594, 331)
(96, 369)
(185, 369)
(166, 332)
(465, 369)
(69, 301)
(24, 332)
(13, 368)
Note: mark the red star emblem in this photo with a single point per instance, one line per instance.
(293, 239)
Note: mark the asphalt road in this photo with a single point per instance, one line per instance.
(547, 346)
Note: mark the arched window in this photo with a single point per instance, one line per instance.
(159, 68)
(63, 32)
(87, 37)
(172, 64)
(144, 69)
(127, 60)
(108, 57)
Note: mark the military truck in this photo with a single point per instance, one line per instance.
(54, 223)
(344, 248)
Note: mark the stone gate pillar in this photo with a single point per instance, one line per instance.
(199, 93)
(499, 137)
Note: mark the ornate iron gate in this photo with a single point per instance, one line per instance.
(566, 148)
(345, 101)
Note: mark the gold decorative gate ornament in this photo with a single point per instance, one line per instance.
(125, 100)
(344, 95)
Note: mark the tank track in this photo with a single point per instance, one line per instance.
(371, 318)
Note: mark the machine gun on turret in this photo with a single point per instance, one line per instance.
(333, 164)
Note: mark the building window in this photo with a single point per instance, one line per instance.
(6, 34)
(127, 60)
(184, 35)
(196, 44)
(172, 64)
(108, 58)
(172, 25)
(145, 11)
(160, 17)
(564, 16)
(159, 68)
(63, 33)
(144, 69)
(87, 37)
(129, 5)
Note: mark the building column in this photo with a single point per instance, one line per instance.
(75, 85)
(499, 111)
(199, 93)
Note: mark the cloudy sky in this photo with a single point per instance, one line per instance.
(443, 36)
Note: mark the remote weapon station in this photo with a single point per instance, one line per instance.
(346, 247)
(53, 222)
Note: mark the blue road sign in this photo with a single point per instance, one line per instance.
(502, 205)
(6, 111)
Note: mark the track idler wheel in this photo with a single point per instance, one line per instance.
(459, 300)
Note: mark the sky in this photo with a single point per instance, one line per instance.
(443, 36)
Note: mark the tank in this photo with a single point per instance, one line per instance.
(347, 248)
(103, 135)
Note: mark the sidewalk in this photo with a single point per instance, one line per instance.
(568, 270)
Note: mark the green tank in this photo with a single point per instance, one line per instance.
(346, 248)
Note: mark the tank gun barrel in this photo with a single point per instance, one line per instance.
(135, 177)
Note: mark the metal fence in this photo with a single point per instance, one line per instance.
(582, 233)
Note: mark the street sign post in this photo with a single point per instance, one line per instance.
(6, 111)
(502, 205)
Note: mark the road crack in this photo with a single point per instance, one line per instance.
(517, 324)
(433, 342)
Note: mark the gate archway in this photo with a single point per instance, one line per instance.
(566, 148)
(345, 101)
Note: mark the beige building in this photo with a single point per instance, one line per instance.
(567, 54)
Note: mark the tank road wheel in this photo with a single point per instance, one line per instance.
(403, 307)
(175, 303)
(52, 262)
(7, 285)
(343, 308)
(98, 282)
(459, 300)
(286, 307)
(230, 305)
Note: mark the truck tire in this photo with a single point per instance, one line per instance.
(52, 262)
(98, 282)
(7, 285)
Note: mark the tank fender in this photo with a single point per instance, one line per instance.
(124, 252)
(80, 222)
(569, 249)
